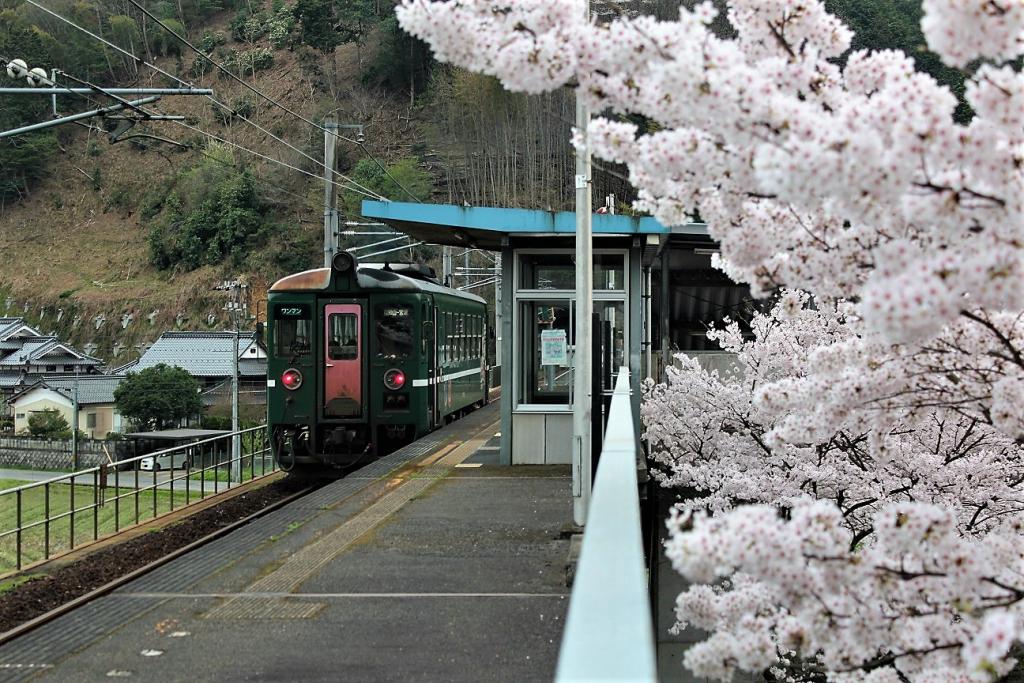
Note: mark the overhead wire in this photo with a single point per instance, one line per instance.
(138, 60)
(259, 154)
(258, 92)
(100, 90)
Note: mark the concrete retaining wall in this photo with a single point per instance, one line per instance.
(46, 454)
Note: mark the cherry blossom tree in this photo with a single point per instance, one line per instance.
(861, 468)
(825, 586)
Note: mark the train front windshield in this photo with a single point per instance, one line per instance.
(394, 331)
(293, 329)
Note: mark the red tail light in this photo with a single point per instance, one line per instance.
(394, 379)
(291, 379)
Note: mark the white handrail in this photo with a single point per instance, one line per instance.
(609, 633)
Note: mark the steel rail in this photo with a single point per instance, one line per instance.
(68, 607)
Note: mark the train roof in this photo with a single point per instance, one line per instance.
(368, 278)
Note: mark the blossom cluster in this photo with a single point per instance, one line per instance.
(937, 605)
(820, 421)
(806, 173)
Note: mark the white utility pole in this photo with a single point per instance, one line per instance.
(582, 403)
(74, 423)
(497, 313)
(330, 190)
(236, 441)
(446, 267)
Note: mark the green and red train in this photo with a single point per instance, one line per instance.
(365, 358)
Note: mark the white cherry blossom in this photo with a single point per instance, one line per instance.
(858, 475)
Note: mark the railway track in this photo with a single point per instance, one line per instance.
(431, 447)
(76, 602)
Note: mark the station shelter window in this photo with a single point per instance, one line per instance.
(545, 321)
(546, 379)
(558, 271)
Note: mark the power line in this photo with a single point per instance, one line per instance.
(102, 91)
(362, 188)
(223, 69)
(138, 60)
(264, 156)
(258, 92)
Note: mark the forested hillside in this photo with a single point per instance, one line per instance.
(108, 244)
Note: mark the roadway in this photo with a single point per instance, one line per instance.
(125, 479)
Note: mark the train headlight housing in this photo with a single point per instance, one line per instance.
(394, 379)
(291, 379)
(343, 262)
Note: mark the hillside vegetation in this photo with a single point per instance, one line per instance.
(110, 244)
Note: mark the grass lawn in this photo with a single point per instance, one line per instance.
(262, 466)
(93, 517)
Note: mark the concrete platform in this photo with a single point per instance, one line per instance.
(424, 567)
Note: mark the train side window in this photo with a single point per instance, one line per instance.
(462, 338)
(442, 337)
(449, 336)
(456, 331)
(344, 337)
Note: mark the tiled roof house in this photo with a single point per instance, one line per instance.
(207, 356)
(26, 356)
(97, 414)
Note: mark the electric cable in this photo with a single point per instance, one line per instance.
(138, 60)
(228, 72)
(262, 156)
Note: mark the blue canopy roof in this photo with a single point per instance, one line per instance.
(484, 227)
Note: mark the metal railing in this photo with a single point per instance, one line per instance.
(44, 519)
(609, 632)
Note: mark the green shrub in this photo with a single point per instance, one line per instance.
(240, 106)
(281, 27)
(211, 216)
(248, 62)
(211, 40)
(200, 67)
(248, 28)
(48, 424)
(158, 396)
(402, 178)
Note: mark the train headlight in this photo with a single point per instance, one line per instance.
(343, 262)
(291, 379)
(394, 379)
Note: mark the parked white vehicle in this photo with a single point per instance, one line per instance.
(167, 461)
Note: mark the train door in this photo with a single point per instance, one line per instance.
(343, 361)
